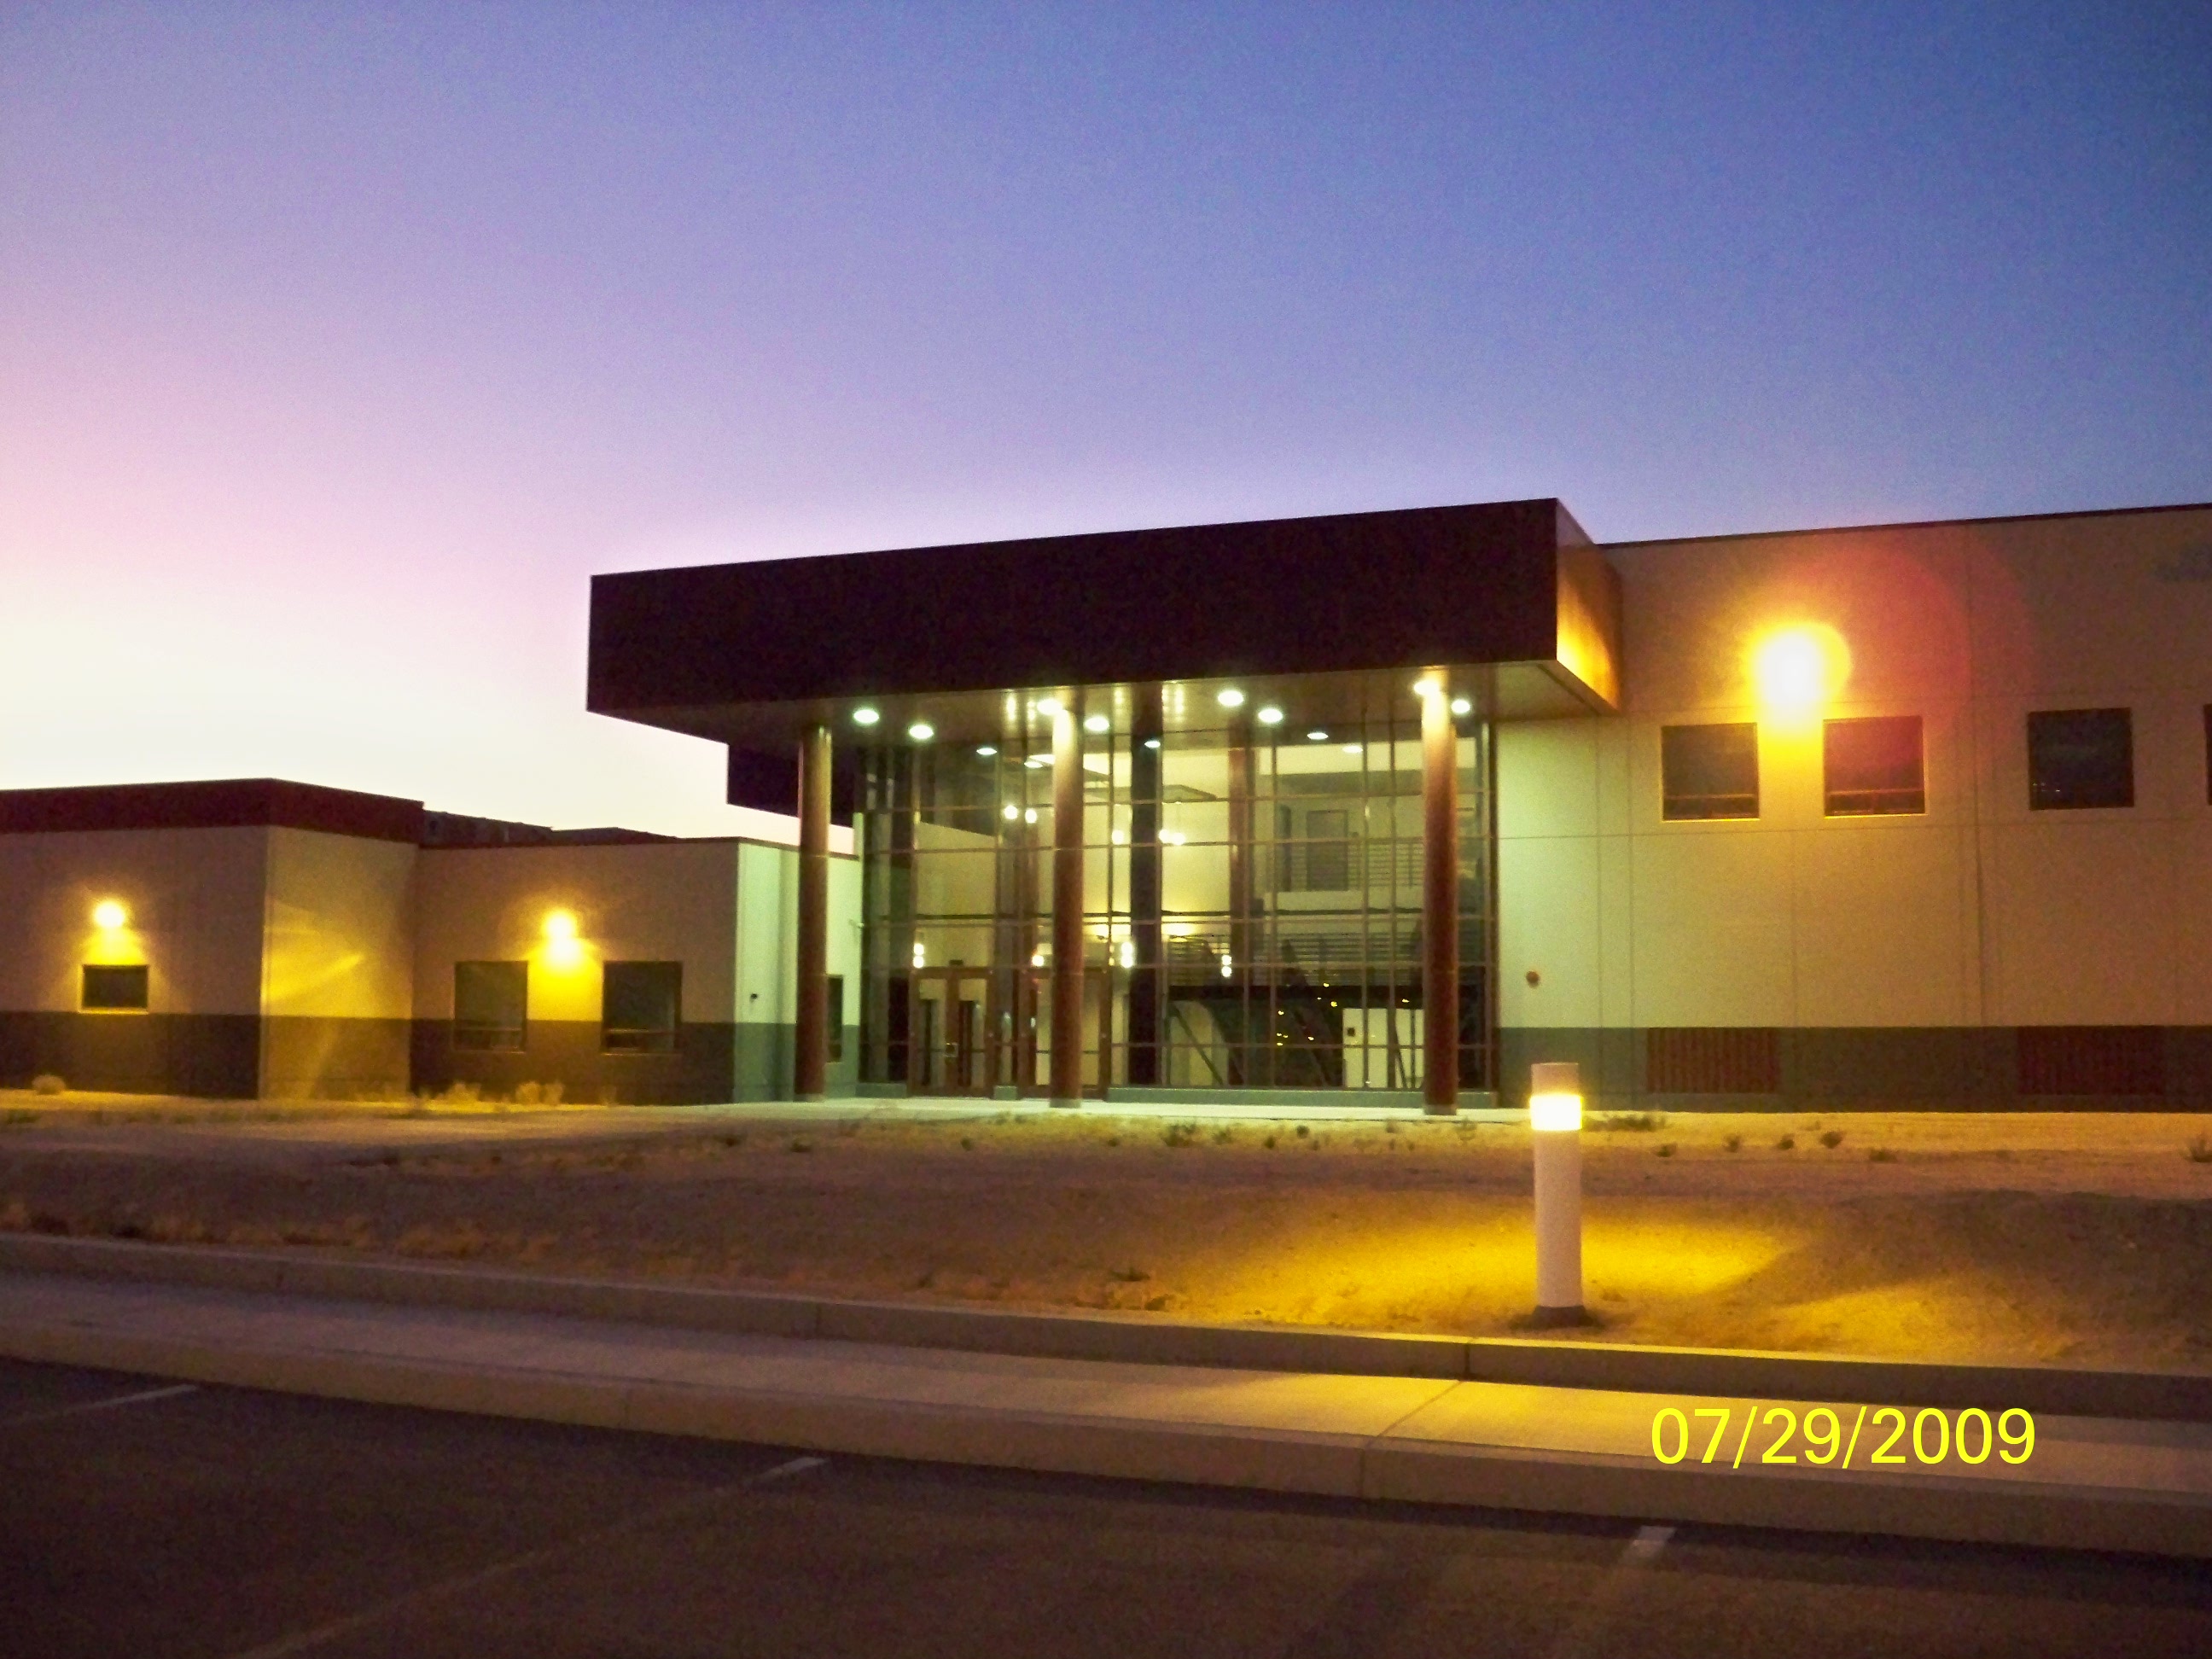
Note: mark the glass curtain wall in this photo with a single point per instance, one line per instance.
(1252, 907)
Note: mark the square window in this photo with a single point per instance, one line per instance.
(2080, 757)
(640, 1009)
(491, 1003)
(114, 990)
(1709, 771)
(1874, 766)
(836, 1019)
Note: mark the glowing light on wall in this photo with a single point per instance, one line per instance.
(109, 914)
(866, 717)
(1098, 723)
(1796, 670)
(1461, 706)
(1271, 716)
(921, 730)
(1232, 698)
(563, 947)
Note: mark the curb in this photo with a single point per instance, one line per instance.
(1138, 1340)
(1381, 1468)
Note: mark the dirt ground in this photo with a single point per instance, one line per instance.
(2081, 1238)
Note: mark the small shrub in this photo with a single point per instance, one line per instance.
(967, 1144)
(2199, 1150)
(1222, 1137)
(1733, 1143)
(551, 1093)
(462, 1094)
(1832, 1139)
(47, 1084)
(732, 1141)
(1113, 1141)
(1179, 1135)
(1787, 1144)
(1635, 1122)
(1157, 1304)
(528, 1094)
(1391, 1128)
(1269, 1142)
(1302, 1131)
(1882, 1155)
(1666, 1149)
(801, 1143)
(17, 1116)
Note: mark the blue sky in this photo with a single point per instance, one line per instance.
(343, 344)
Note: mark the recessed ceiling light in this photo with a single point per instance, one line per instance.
(1461, 706)
(985, 750)
(1034, 763)
(1316, 737)
(921, 730)
(1048, 706)
(1271, 716)
(866, 717)
(1012, 812)
(1352, 749)
(1232, 698)
(1098, 723)
(1152, 743)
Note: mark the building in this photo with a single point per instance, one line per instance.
(1379, 807)
(263, 939)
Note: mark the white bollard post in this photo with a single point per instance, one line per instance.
(1555, 1122)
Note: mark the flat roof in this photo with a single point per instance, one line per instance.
(217, 804)
(753, 653)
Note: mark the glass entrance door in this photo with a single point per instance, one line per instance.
(951, 1050)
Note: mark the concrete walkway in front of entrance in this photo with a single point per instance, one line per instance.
(2087, 1483)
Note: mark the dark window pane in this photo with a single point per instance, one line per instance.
(115, 989)
(2080, 757)
(1874, 766)
(836, 1016)
(640, 1012)
(491, 1000)
(1709, 771)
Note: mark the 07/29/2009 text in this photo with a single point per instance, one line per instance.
(1927, 1437)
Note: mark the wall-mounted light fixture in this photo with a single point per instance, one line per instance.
(563, 947)
(921, 730)
(1230, 698)
(1796, 670)
(866, 716)
(109, 915)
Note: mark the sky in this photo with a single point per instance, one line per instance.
(340, 344)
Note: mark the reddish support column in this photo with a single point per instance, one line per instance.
(1439, 898)
(1067, 902)
(810, 1063)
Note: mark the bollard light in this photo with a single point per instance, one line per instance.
(1555, 1121)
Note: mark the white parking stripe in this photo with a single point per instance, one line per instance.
(107, 1405)
(1579, 1637)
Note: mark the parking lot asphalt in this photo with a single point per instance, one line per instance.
(141, 1517)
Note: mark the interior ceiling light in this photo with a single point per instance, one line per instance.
(1034, 763)
(1232, 698)
(986, 750)
(866, 717)
(1152, 743)
(1352, 749)
(1048, 706)
(1316, 737)
(1271, 715)
(1098, 723)
(1461, 706)
(1012, 812)
(921, 730)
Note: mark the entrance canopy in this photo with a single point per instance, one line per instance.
(1333, 609)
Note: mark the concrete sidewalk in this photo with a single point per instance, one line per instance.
(2089, 1483)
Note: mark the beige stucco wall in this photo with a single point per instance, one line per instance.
(194, 899)
(653, 901)
(1978, 913)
